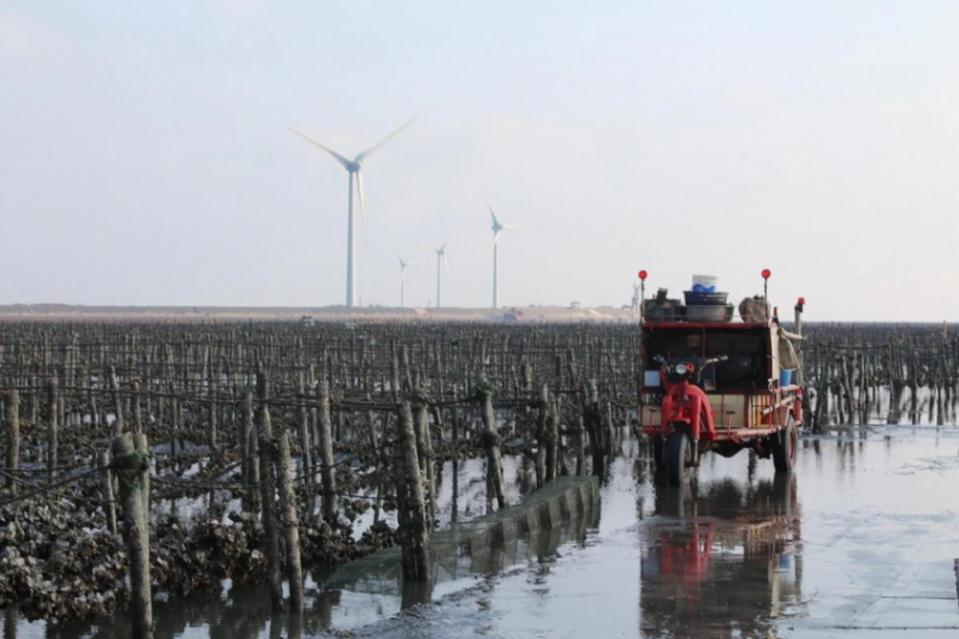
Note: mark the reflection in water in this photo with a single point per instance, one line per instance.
(721, 559)
(366, 591)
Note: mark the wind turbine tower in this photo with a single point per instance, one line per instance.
(494, 248)
(355, 177)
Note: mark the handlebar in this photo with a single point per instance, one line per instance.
(687, 367)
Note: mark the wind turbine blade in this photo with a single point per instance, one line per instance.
(495, 240)
(340, 158)
(446, 262)
(364, 154)
(490, 207)
(517, 227)
(361, 195)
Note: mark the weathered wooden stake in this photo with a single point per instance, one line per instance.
(542, 434)
(109, 505)
(291, 522)
(13, 439)
(494, 459)
(424, 448)
(327, 470)
(131, 467)
(414, 535)
(137, 411)
(53, 414)
(268, 494)
(117, 404)
(251, 461)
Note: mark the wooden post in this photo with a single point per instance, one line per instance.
(131, 468)
(252, 460)
(552, 440)
(176, 414)
(268, 494)
(327, 470)
(13, 439)
(137, 412)
(495, 483)
(305, 447)
(109, 505)
(243, 444)
(414, 535)
(593, 419)
(143, 447)
(424, 448)
(53, 413)
(214, 408)
(542, 435)
(117, 404)
(291, 522)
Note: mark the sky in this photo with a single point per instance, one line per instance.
(146, 158)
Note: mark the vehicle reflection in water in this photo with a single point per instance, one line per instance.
(720, 559)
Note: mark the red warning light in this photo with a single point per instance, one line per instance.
(801, 301)
(642, 275)
(766, 273)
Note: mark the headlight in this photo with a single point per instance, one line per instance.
(680, 369)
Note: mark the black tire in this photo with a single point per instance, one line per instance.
(677, 452)
(785, 443)
(673, 501)
(657, 445)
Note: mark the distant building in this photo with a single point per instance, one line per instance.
(512, 315)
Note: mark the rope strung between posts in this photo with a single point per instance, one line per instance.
(49, 487)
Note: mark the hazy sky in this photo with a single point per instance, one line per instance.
(145, 156)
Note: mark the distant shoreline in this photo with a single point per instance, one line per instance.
(63, 312)
(208, 314)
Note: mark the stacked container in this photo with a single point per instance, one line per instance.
(704, 303)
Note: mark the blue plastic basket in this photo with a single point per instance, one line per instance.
(785, 377)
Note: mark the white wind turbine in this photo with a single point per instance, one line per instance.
(353, 168)
(440, 261)
(494, 247)
(403, 266)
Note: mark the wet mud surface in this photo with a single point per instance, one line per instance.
(859, 542)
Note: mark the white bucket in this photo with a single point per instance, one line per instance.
(705, 280)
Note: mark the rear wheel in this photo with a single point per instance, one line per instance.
(678, 452)
(785, 443)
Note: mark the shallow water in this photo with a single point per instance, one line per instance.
(858, 542)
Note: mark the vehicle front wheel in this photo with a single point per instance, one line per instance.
(656, 443)
(678, 453)
(785, 443)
